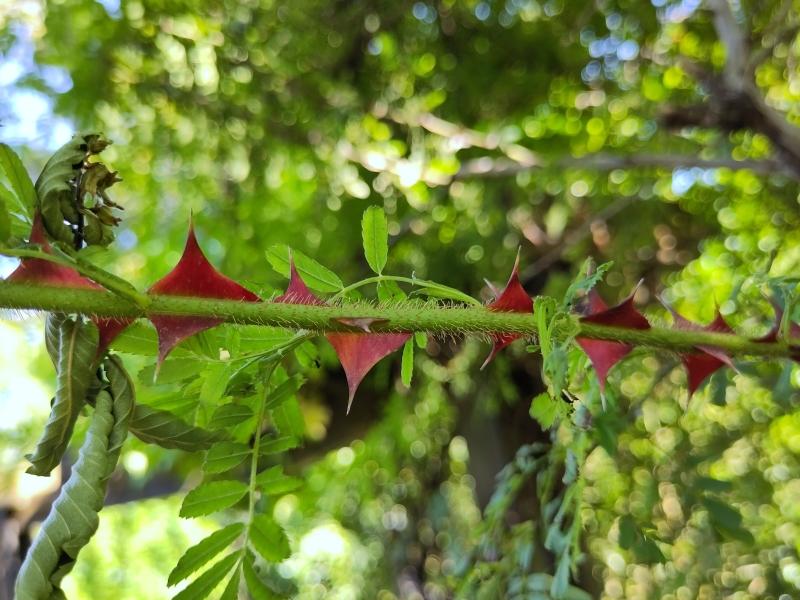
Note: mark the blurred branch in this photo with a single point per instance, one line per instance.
(499, 167)
(516, 158)
(736, 102)
(575, 237)
(736, 45)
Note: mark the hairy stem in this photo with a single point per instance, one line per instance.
(404, 316)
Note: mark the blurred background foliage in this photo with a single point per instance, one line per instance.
(566, 129)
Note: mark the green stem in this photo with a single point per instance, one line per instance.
(403, 316)
(108, 280)
(262, 409)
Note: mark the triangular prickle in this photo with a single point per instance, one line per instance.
(699, 365)
(297, 291)
(109, 328)
(193, 276)
(45, 272)
(357, 352)
(604, 354)
(513, 298)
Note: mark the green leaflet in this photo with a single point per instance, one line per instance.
(314, 275)
(257, 588)
(210, 579)
(174, 370)
(375, 235)
(273, 481)
(545, 410)
(52, 335)
(24, 194)
(283, 392)
(202, 552)
(407, 366)
(5, 221)
(230, 415)
(231, 591)
(122, 391)
(268, 539)
(212, 496)
(288, 418)
(77, 347)
(154, 426)
(588, 277)
(225, 456)
(277, 445)
(73, 517)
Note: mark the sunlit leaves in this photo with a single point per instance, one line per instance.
(375, 236)
(212, 496)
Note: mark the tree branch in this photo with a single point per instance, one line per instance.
(736, 45)
(736, 99)
(406, 316)
(499, 167)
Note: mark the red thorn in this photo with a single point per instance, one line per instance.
(513, 298)
(193, 276)
(297, 292)
(699, 365)
(44, 272)
(109, 329)
(357, 352)
(604, 354)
